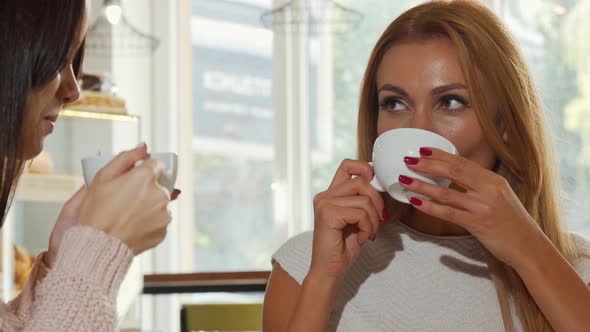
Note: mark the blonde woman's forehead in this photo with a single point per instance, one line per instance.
(421, 66)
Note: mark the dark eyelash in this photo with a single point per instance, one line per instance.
(445, 99)
(390, 102)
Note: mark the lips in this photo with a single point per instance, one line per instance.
(49, 122)
(52, 117)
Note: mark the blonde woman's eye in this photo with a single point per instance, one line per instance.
(453, 103)
(392, 104)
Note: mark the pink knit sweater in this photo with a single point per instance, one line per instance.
(79, 293)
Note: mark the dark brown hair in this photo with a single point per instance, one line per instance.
(36, 38)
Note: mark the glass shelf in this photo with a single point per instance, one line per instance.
(97, 115)
(47, 188)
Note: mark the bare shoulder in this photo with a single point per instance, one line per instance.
(280, 299)
(291, 264)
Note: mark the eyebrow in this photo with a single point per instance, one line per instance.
(436, 91)
(448, 87)
(393, 88)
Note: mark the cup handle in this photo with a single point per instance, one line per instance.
(375, 182)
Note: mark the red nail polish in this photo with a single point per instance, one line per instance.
(416, 201)
(175, 194)
(426, 152)
(411, 160)
(405, 180)
(384, 215)
(373, 237)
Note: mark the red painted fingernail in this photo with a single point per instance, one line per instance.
(411, 160)
(426, 152)
(373, 237)
(175, 194)
(405, 180)
(384, 215)
(416, 201)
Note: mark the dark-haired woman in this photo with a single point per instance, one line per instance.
(73, 285)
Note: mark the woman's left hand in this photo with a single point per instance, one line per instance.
(488, 208)
(67, 218)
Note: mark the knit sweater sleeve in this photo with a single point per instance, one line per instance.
(79, 293)
(22, 304)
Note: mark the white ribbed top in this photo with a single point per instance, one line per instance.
(411, 281)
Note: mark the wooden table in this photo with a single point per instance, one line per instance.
(254, 281)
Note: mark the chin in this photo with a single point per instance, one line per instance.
(33, 150)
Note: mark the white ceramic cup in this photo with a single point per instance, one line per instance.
(388, 160)
(91, 166)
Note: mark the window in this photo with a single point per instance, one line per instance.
(232, 136)
(551, 35)
(251, 191)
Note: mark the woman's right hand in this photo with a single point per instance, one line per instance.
(127, 202)
(347, 214)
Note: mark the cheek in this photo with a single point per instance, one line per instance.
(33, 110)
(38, 103)
(41, 100)
(461, 132)
(382, 126)
(31, 133)
(385, 122)
(469, 138)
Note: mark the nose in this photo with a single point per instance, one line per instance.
(421, 119)
(69, 90)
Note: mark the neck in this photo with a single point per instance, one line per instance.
(430, 225)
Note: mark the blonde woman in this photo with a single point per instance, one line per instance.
(489, 254)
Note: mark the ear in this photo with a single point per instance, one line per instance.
(502, 129)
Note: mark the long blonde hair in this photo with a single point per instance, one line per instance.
(486, 50)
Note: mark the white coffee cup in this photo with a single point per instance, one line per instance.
(389, 151)
(91, 166)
